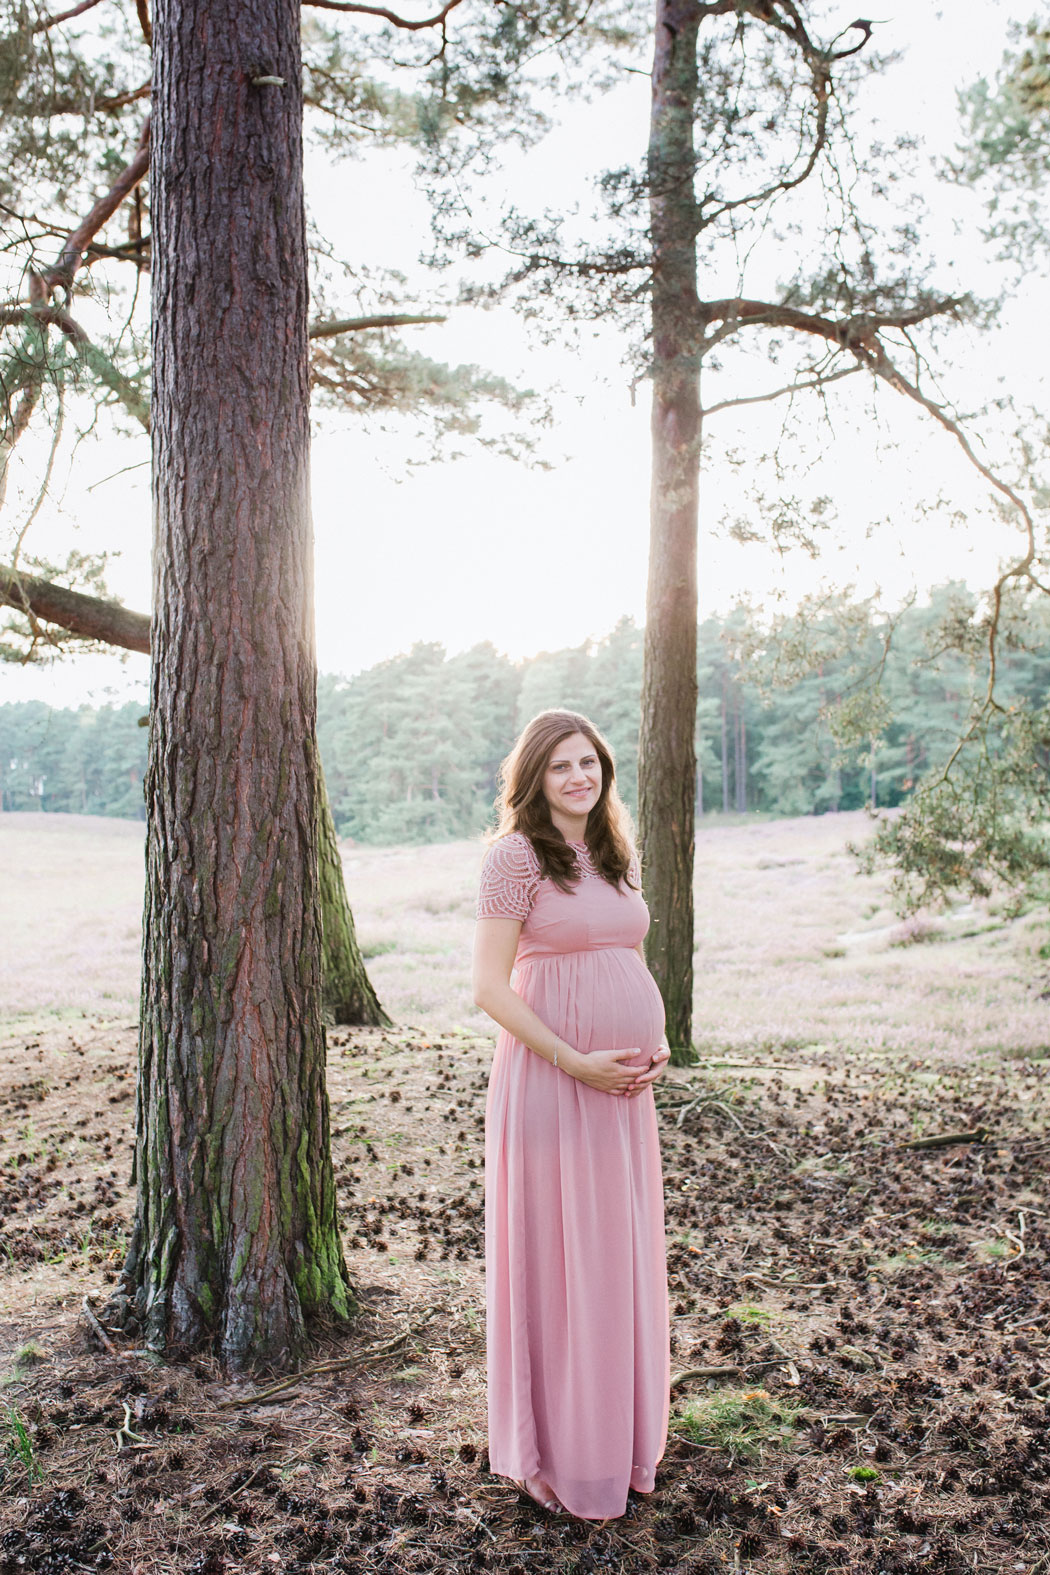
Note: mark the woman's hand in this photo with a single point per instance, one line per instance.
(646, 1075)
(601, 1069)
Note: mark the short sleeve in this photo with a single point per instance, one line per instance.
(510, 875)
(634, 871)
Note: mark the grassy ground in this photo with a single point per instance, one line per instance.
(860, 1335)
(793, 947)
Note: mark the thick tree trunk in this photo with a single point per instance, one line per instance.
(667, 750)
(235, 1241)
(348, 994)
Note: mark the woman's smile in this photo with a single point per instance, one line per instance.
(572, 784)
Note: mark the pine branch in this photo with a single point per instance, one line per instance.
(350, 325)
(387, 16)
(860, 336)
(92, 355)
(62, 271)
(818, 381)
(87, 616)
(65, 16)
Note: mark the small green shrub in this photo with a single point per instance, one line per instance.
(19, 1446)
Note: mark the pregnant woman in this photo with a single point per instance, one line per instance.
(575, 1269)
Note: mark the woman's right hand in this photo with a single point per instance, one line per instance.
(603, 1069)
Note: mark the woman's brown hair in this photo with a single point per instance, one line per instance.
(522, 806)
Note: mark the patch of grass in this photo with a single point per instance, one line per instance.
(29, 1355)
(910, 1257)
(738, 1422)
(746, 1312)
(371, 949)
(998, 1248)
(19, 1446)
(1024, 1053)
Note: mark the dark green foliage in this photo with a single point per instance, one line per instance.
(1006, 146)
(822, 711)
(82, 762)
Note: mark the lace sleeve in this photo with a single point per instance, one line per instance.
(634, 871)
(509, 877)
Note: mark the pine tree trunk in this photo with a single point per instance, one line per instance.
(725, 748)
(348, 994)
(874, 791)
(667, 748)
(235, 1241)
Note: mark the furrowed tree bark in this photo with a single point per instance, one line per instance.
(235, 1242)
(349, 998)
(348, 994)
(667, 750)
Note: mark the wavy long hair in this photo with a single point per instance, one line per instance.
(522, 806)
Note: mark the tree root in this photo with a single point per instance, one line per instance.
(96, 1328)
(375, 1354)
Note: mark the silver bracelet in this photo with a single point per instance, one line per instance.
(555, 1052)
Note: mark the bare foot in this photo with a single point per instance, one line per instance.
(540, 1491)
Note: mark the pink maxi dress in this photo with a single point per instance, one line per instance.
(575, 1267)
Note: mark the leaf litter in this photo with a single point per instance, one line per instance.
(860, 1332)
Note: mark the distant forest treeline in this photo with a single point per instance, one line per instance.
(786, 723)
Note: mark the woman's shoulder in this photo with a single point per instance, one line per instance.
(510, 875)
(512, 854)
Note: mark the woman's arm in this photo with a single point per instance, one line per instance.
(495, 945)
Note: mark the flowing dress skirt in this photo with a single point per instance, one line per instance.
(576, 1278)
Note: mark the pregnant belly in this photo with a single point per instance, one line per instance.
(604, 999)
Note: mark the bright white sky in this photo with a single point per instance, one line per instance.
(532, 559)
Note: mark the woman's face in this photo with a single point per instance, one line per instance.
(572, 782)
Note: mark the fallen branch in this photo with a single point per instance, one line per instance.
(375, 1353)
(722, 1372)
(1016, 1239)
(126, 1432)
(96, 1328)
(946, 1139)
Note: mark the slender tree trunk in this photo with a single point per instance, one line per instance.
(348, 993)
(874, 779)
(235, 1240)
(725, 747)
(667, 748)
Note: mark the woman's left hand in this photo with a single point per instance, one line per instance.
(649, 1074)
